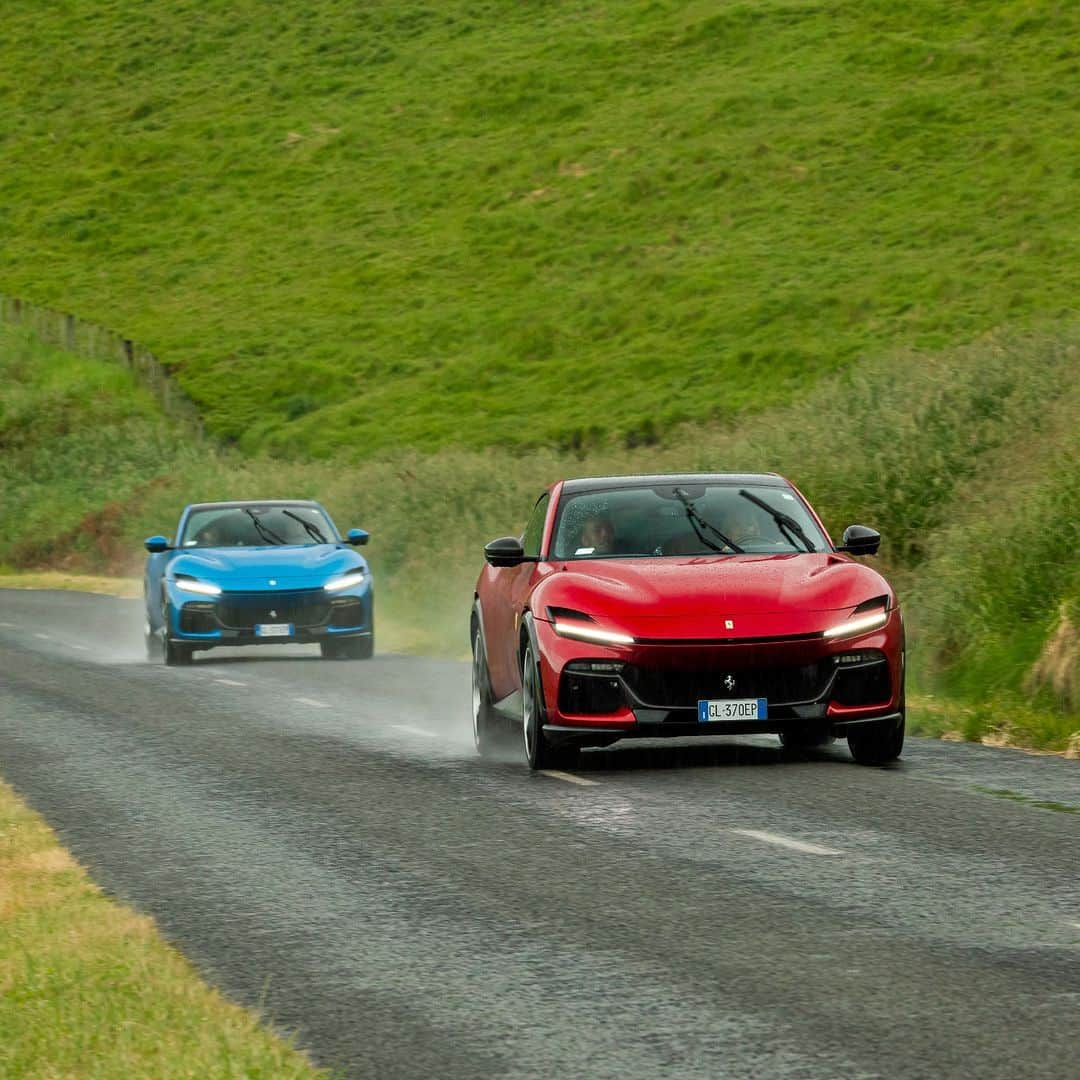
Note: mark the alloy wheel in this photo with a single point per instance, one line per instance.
(528, 704)
(477, 698)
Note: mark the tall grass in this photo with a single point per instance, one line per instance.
(966, 460)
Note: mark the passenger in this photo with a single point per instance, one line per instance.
(740, 524)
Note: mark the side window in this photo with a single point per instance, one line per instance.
(534, 531)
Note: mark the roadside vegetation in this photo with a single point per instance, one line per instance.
(356, 227)
(967, 460)
(89, 989)
(419, 260)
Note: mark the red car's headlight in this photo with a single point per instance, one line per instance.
(866, 617)
(587, 631)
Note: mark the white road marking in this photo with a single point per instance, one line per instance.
(1075, 925)
(233, 682)
(44, 637)
(570, 778)
(415, 730)
(11, 624)
(312, 702)
(81, 648)
(787, 841)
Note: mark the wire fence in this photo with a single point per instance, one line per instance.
(87, 339)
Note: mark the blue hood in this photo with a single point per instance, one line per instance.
(252, 568)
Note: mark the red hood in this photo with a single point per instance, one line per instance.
(697, 596)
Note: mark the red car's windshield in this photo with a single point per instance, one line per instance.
(688, 519)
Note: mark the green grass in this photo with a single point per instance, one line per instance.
(89, 989)
(965, 459)
(360, 227)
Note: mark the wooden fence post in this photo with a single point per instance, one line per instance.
(65, 331)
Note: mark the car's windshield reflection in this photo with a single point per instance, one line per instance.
(257, 526)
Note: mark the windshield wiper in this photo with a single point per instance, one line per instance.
(266, 533)
(312, 528)
(697, 521)
(784, 522)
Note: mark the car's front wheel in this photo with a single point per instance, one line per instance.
(152, 641)
(877, 743)
(539, 753)
(485, 719)
(174, 653)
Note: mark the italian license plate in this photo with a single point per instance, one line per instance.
(710, 712)
(273, 629)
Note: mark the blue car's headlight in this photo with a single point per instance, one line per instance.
(190, 584)
(346, 581)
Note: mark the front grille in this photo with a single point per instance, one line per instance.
(670, 689)
(301, 607)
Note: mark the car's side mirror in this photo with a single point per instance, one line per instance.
(506, 551)
(860, 540)
(356, 537)
(156, 544)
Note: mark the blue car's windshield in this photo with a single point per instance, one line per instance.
(692, 519)
(256, 526)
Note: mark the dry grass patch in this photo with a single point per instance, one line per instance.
(1058, 666)
(89, 989)
(55, 579)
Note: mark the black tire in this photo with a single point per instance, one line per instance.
(878, 743)
(805, 738)
(350, 648)
(539, 753)
(152, 640)
(485, 720)
(176, 653)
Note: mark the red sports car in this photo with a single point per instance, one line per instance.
(649, 606)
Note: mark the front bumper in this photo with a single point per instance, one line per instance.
(652, 690)
(232, 617)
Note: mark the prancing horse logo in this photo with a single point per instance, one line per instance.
(729, 683)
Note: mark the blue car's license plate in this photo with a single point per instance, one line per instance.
(283, 629)
(744, 709)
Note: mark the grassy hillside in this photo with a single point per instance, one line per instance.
(967, 460)
(355, 227)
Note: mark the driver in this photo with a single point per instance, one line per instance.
(216, 533)
(211, 535)
(742, 525)
(598, 534)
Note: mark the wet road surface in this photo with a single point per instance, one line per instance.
(319, 838)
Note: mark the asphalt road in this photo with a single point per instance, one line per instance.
(318, 837)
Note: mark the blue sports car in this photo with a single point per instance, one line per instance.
(258, 573)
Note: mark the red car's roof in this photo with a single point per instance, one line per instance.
(592, 483)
